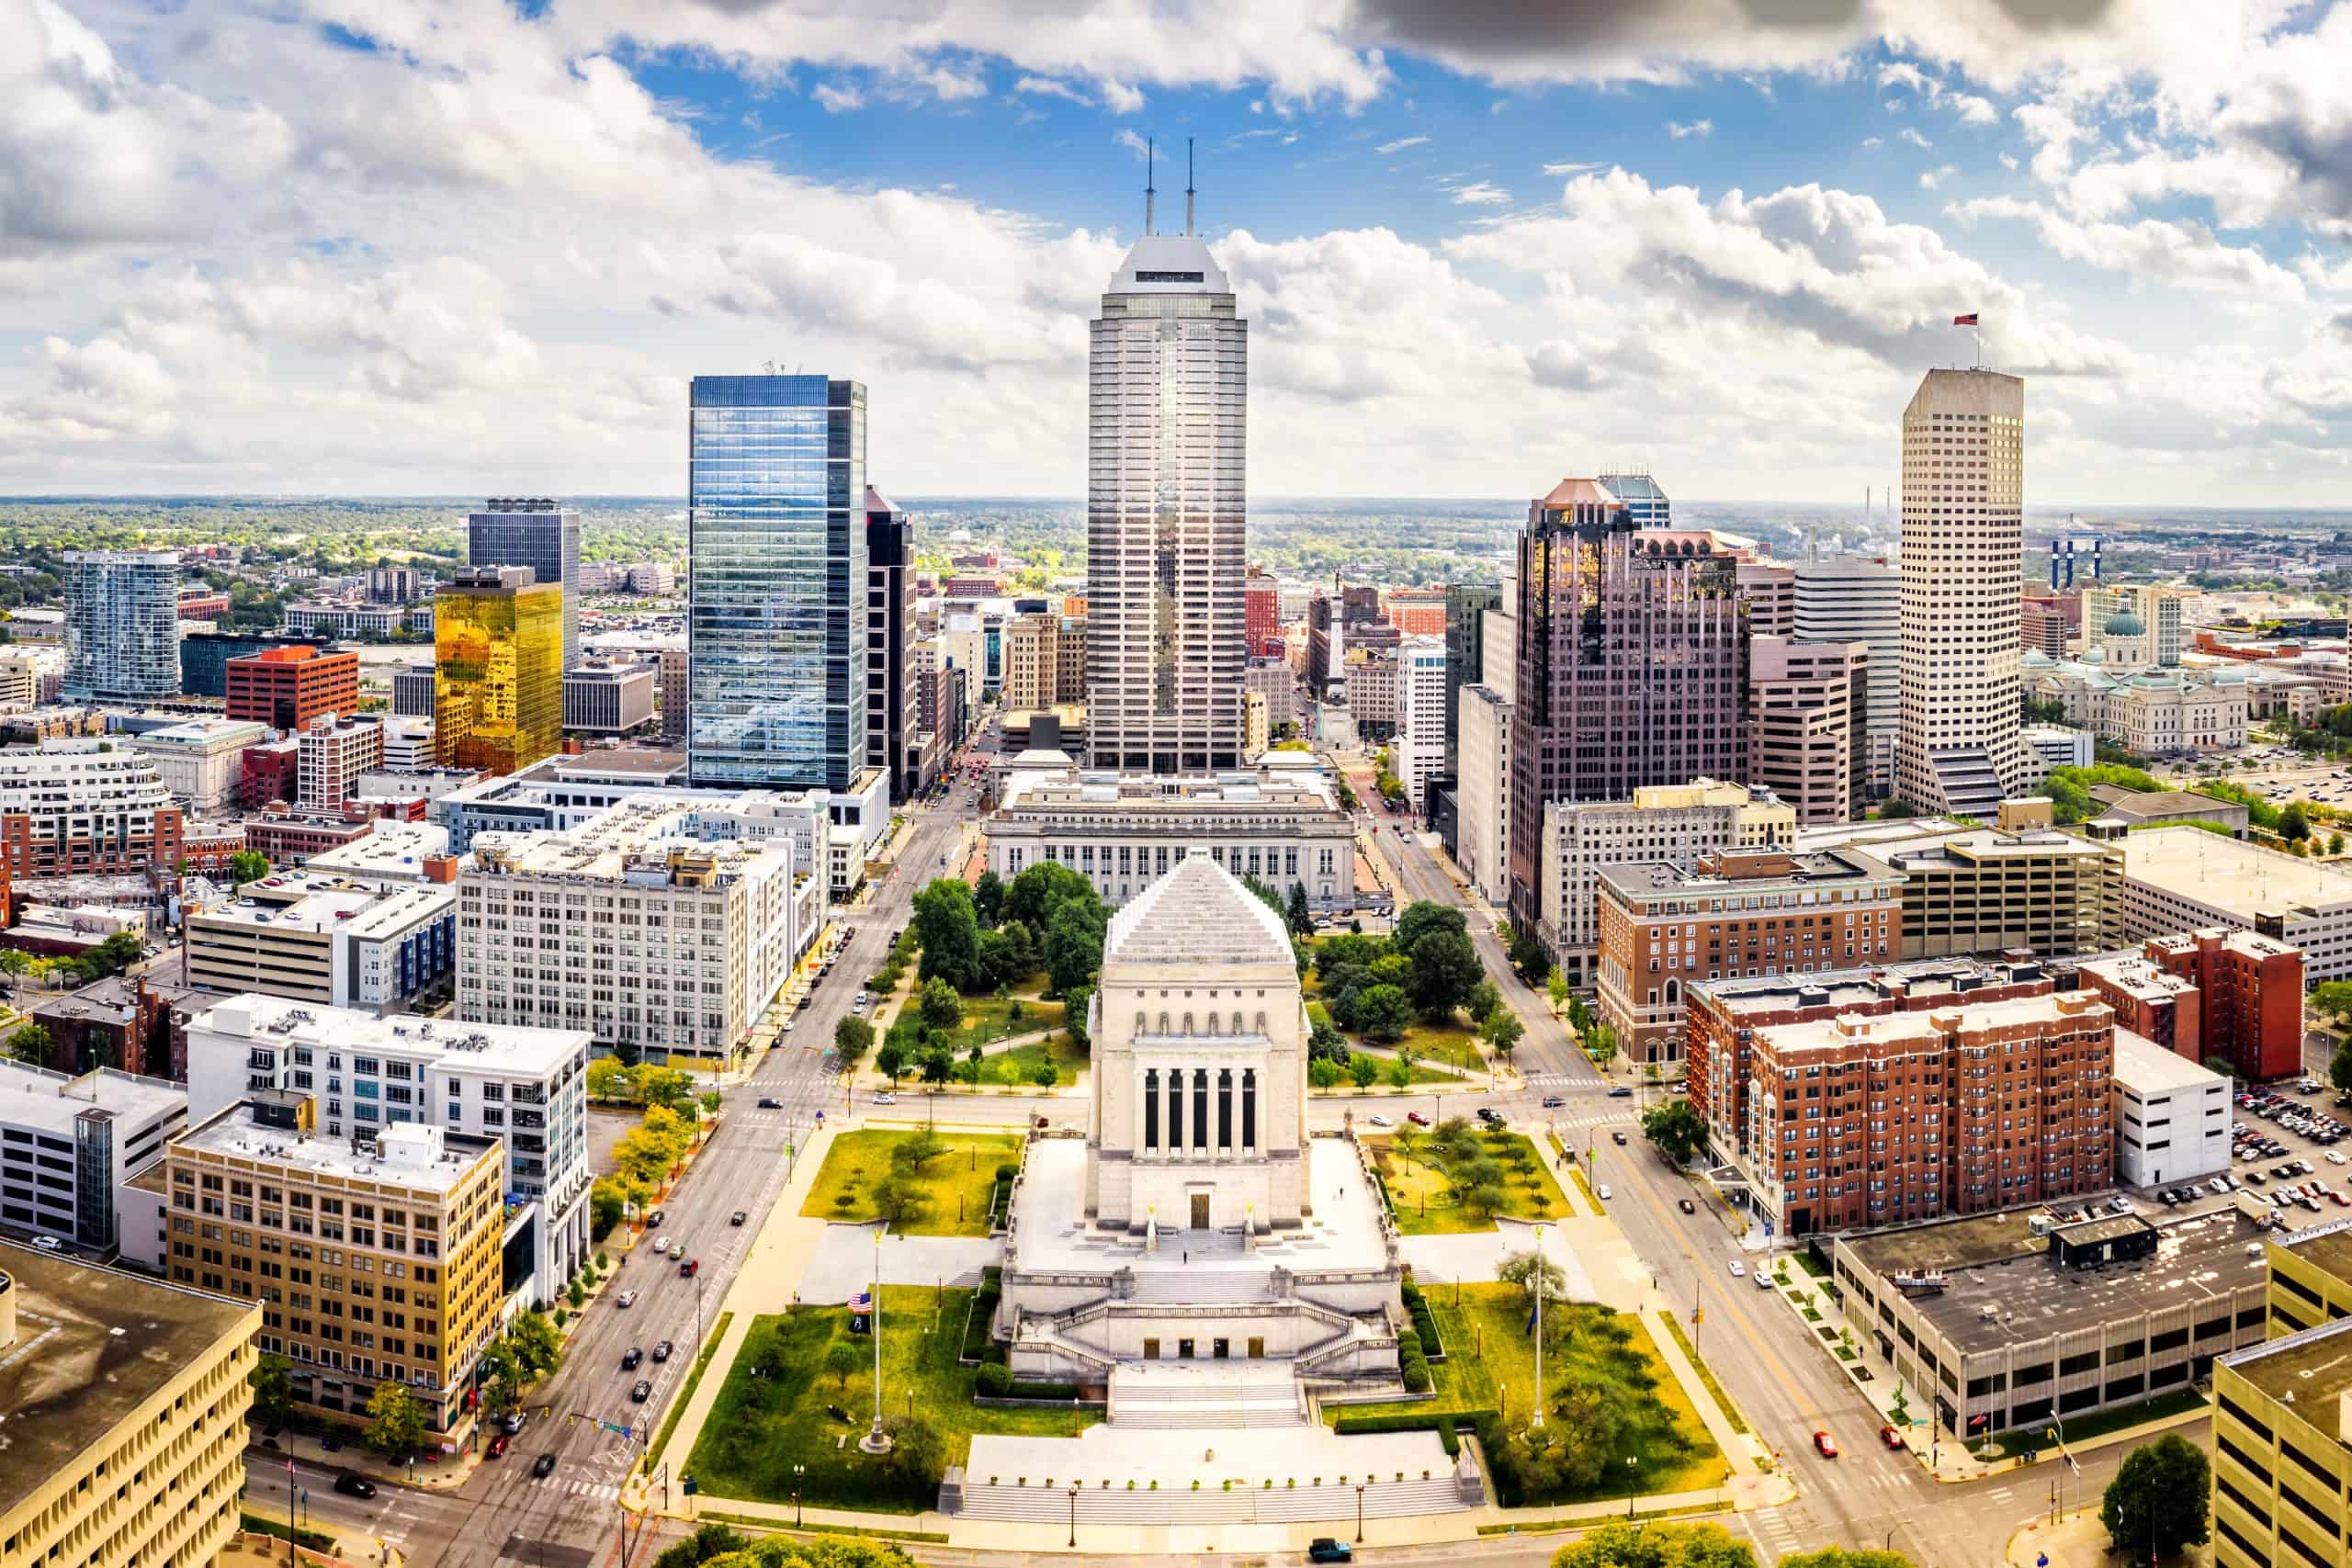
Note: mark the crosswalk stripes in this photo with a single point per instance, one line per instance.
(1773, 1532)
(602, 1490)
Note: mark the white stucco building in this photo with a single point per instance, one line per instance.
(1420, 750)
(2171, 1116)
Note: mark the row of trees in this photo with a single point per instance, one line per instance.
(644, 1158)
(639, 1084)
(976, 939)
(1599, 1040)
(1427, 967)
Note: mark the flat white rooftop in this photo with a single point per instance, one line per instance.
(48, 1102)
(2146, 1068)
(454, 1046)
(394, 849)
(2242, 878)
(233, 1132)
(361, 909)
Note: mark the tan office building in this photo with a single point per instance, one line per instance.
(124, 1402)
(2282, 1466)
(372, 1265)
(1808, 706)
(1986, 891)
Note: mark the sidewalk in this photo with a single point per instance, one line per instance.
(2079, 1540)
(452, 1471)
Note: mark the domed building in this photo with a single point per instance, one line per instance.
(2124, 642)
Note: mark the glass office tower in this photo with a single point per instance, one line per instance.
(123, 626)
(498, 670)
(776, 631)
(541, 535)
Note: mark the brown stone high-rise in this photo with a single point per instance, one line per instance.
(1632, 664)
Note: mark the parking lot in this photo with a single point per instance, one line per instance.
(2284, 1153)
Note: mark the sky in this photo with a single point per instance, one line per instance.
(408, 248)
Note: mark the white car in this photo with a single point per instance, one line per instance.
(1379, 1120)
(1602, 1192)
(2335, 1158)
(1763, 1280)
(886, 1098)
(628, 1298)
(1738, 1269)
(48, 1242)
(661, 1247)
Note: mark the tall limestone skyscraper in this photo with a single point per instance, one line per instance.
(1958, 748)
(1167, 396)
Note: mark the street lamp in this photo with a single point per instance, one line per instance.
(1632, 1465)
(1073, 1515)
(797, 1471)
(1538, 1421)
(1358, 1513)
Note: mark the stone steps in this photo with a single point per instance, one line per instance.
(1245, 1504)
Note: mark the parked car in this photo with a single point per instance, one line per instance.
(352, 1485)
(661, 1247)
(543, 1466)
(497, 1449)
(49, 1244)
(886, 1098)
(1324, 1549)
(1826, 1444)
(1490, 1116)
(625, 1298)
(653, 1221)
(1763, 1280)
(1602, 1192)
(1417, 1119)
(1890, 1437)
(512, 1421)
(1377, 1120)
(737, 1217)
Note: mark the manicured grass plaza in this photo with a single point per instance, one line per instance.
(1018, 1067)
(1426, 1188)
(771, 1414)
(986, 1021)
(950, 1190)
(1490, 1365)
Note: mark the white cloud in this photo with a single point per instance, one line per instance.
(1480, 193)
(2180, 253)
(1133, 143)
(1119, 97)
(1693, 128)
(1873, 141)
(1400, 144)
(1930, 178)
(840, 98)
(2008, 163)
(1894, 105)
(1048, 87)
(1911, 135)
(1557, 169)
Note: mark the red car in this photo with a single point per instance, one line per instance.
(1417, 1119)
(1890, 1437)
(1826, 1444)
(690, 1268)
(498, 1445)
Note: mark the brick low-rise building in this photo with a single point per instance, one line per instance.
(1664, 927)
(78, 806)
(286, 688)
(2252, 991)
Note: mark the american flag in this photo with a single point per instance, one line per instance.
(1967, 321)
(861, 1301)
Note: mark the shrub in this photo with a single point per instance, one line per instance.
(1417, 1375)
(1007, 1172)
(994, 1379)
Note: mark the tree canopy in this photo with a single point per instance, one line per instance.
(2159, 1497)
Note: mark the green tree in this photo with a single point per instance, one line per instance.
(2158, 1499)
(247, 865)
(536, 1343)
(1324, 1072)
(1074, 944)
(673, 1088)
(891, 1061)
(1074, 1006)
(2293, 825)
(1383, 1013)
(2332, 997)
(32, 1044)
(918, 1452)
(1445, 971)
(1044, 1075)
(1527, 955)
(1399, 1072)
(937, 1063)
(987, 898)
(1297, 912)
(395, 1419)
(853, 1038)
(1364, 1070)
(1655, 1544)
(1844, 1557)
(842, 1363)
(2339, 1068)
(1675, 1129)
(1424, 916)
(895, 1199)
(1042, 888)
(941, 1008)
(1484, 1001)
(1530, 1271)
(14, 961)
(500, 1375)
(608, 1080)
(1603, 1044)
(605, 1205)
(948, 931)
(1555, 986)
(1503, 1031)
(272, 1380)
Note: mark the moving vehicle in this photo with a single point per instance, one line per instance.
(512, 1421)
(1621, 1091)
(886, 1098)
(1490, 1116)
(737, 1217)
(1618, 1139)
(1602, 1192)
(631, 1358)
(653, 1221)
(1377, 1120)
(1325, 1548)
(352, 1485)
(1417, 1119)
(770, 1102)
(1826, 1444)
(689, 1267)
(1686, 1206)
(662, 1351)
(627, 1298)
(661, 1247)
(543, 1466)
(1738, 1269)
(643, 1391)
(497, 1449)
(1890, 1437)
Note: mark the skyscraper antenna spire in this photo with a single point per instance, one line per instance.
(1188, 184)
(1148, 194)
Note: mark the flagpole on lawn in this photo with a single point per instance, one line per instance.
(876, 1441)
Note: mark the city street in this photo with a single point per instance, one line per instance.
(503, 1513)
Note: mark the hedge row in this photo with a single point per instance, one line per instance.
(979, 1346)
(1424, 1323)
(1445, 1423)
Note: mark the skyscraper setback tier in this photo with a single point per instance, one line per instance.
(1168, 392)
(1958, 749)
(776, 529)
(1632, 665)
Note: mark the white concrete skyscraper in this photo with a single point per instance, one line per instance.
(1168, 397)
(1963, 489)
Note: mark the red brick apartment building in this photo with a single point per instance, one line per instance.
(286, 688)
(2219, 992)
(1873, 1098)
(1664, 928)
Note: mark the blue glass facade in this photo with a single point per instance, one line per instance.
(776, 629)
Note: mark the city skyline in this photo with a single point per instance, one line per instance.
(2140, 205)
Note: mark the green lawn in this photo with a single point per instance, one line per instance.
(762, 1426)
(1019, 1066)
(952, 1185)
(1490, 1365)
(1424, 1198)
(987, 1019)
(1454, 1043)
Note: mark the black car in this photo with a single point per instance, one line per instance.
(770, 1102)
(543, 1466)
(629, 1361)
(1490, 1116)
(662, 1351)
(352, 1485)
(1325, 1548)
(1618, 1139)
(654, 1218)
(1621, 1091)
(737, 1217)
(643, 1391)
(1686, 1206)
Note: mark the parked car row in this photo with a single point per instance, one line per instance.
(2271, 1105)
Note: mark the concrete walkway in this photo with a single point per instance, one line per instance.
(841, 1264)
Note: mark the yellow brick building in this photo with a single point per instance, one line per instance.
(2282, 1416)
(373, 1263)
(123, 1401)
(498, 670)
